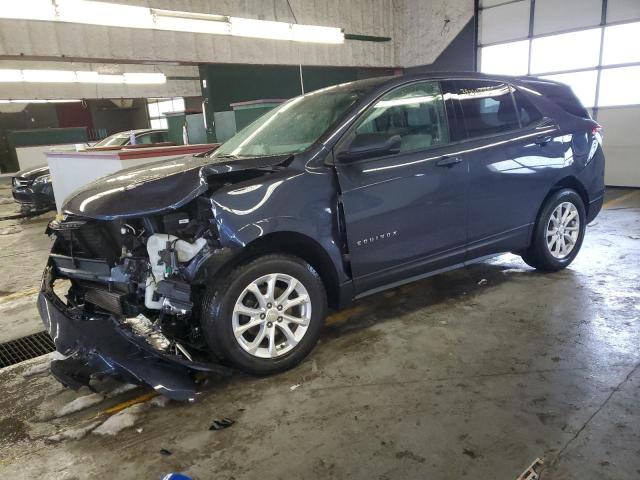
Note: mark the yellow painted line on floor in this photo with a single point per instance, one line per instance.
(14, 296)
(620, 199)
(129, 403)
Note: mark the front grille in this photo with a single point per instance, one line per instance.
(25, 348)
(20, 182)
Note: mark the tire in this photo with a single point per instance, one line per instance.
(227, 299)
(540, 254)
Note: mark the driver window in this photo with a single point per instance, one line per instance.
(415, 112)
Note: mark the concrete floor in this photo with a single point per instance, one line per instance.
(451, 377)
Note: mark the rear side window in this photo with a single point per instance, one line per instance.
(415, 112)
(529, 114)
(487, 106)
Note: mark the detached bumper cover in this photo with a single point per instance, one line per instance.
(109, 348)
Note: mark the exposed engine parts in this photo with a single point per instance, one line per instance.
(143, 327)
(166, 254)
(176, 296)
(145, 278)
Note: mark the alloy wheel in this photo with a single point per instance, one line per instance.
(563, 229)
(271, 315)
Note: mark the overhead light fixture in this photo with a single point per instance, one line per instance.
(11, 76)
(144, 78)
(49, 76)
(130, 16)
(39, 100)
(70, 76)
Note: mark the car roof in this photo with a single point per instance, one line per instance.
(146, 130)
(388, 81)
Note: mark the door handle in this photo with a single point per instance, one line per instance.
(543, 140)
(448, 162)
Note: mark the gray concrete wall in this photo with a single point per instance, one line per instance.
(424, 28)
(182, 81)
(71, 41)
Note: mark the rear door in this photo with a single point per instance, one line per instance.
(510, 156)
(406, 212)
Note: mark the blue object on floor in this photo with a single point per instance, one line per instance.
(176, 476)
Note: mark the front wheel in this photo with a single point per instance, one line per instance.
(266, 315)
(558, 232)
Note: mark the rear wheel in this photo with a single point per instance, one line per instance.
(266, 315)
(558, 232)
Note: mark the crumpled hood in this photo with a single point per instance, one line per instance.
(155, 188)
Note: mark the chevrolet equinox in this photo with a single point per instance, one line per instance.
(231, 259)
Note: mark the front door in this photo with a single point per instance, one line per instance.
(406, 213)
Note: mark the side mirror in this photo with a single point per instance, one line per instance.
(368, 145)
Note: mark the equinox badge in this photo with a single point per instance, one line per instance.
(372, 239)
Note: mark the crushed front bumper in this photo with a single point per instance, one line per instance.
(102, 345)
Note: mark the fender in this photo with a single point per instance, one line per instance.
(244, 212)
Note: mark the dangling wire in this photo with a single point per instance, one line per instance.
(300, 63)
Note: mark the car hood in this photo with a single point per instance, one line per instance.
(158, 187)
(33, 172)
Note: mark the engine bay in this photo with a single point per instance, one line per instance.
(140, 271)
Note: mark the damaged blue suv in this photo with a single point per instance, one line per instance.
(232, 259)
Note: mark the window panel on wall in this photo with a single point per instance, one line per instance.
(583, 85)
(621, 44)
(622, 10)
(154, 111)
(506, 59)
(555, 16)
(178, 104)
(618, 86)
(567, 51)
(505, 22)
(159, 123)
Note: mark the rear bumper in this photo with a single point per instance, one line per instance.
(102, 345)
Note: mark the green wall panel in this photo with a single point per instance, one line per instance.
(224, 84)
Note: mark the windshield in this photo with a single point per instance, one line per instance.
(116, 140)
(292, 127)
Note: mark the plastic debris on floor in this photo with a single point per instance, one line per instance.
(221, 424)
(80, 403)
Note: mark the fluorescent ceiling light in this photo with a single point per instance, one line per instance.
(11, 76)
(70, 76)
(49, 76)
(87, 77)
(115, 79)
(144, 78)
(117, 15)
(39, 100)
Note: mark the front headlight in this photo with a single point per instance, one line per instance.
(43, 179)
